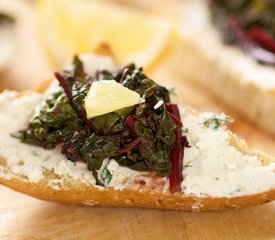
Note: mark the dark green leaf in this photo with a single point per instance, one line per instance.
(112, 122)
(96, 148)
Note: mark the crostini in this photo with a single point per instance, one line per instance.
(100, 135)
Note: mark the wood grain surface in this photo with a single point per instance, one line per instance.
(23, 217)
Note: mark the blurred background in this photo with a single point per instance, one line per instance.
(37, 37)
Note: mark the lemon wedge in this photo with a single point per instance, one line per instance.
(70, 27)
(107, 96)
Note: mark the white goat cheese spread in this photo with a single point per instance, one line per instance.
(213, 167)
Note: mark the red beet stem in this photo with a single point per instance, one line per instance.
(263, 38)
(176, 154)
(130, 146)
(176, 120)
(130, 121)
(64, 84)
(249, 45)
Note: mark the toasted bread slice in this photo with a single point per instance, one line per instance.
(250, 86)
(219, 172)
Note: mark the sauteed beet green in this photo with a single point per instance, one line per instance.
(140, 137)
(249, 24)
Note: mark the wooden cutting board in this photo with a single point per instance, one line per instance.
(23, 217)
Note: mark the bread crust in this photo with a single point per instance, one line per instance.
(81, 194)
(224, 67)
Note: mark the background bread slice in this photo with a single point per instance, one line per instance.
(226, 71)
(75, 192)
